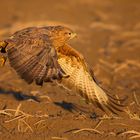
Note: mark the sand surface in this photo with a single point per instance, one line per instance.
(109, 38)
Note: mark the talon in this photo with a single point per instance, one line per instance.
(3, 46)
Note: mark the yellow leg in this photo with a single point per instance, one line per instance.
(3, 58)
(3, 46)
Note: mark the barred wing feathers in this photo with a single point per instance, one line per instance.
(33, 56)
(82, 81)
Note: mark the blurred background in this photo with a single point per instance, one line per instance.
(108, 37)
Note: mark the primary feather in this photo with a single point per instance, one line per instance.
(82, 81)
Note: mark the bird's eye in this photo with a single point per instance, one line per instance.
(68, 33)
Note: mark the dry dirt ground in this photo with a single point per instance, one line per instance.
(109, 38)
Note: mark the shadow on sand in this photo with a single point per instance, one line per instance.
(19, 95)
(76, 108)
(64, 105)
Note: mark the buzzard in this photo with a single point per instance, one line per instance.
(42, 54)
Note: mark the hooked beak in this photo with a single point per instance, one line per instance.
(73, 35)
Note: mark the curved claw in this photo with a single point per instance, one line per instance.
(3, 58)
(3, 46)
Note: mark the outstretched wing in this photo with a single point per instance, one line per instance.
(33, 57)
(82, 81)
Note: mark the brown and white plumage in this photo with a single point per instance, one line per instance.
(82, 80)
(43, 55)
(32, 54)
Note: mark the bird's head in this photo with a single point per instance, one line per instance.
(61, 35)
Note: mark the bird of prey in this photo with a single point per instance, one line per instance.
(42, 54)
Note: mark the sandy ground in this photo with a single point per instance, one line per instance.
(109, 38)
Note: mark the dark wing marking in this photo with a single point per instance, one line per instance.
(33, 57)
